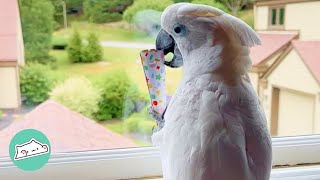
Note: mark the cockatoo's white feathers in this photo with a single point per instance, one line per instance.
(215, 127)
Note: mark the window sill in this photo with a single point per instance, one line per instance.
(145, 162)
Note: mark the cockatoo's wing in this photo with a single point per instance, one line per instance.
(225, 143)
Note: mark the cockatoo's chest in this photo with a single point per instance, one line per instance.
(182, 114)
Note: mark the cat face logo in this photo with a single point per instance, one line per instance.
(30, 149)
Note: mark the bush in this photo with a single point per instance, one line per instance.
(37, 26)
(119, 95)
(102, 11)
(35, 83)
(75, 47)
(212, 3)
(140, 123)
(78, 94)
(93, 50)
(139, 5)
(59, 43)
(78, 52)
(1, 114)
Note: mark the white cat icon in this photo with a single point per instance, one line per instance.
(30, 149)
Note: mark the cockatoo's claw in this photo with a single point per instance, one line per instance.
(157, 117)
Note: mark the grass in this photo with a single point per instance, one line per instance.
(115, 126)
(114, 58)
(106, 32)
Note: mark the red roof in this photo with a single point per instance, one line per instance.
(66, 130)
(9, 22)
(271, 42)
(309, 51)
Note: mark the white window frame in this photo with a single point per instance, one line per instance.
(145, 162)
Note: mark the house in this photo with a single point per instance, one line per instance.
(66, 130)
(289, 15)
(292, 89)
(11, 54)
(286, 67)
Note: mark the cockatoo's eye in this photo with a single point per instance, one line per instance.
(180, 30)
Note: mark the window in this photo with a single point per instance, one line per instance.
(276, 17)
(82, 84)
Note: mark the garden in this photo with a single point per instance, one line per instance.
(73, 66)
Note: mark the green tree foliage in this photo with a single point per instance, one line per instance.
(139, 5)
(77, 4)
(102, 11)
(212, 3)
(37, 26)
(140, 122)
(234, 5)
(35, 83)
(78, 94)
(75, 47)
(93, 50)
(78, 52)
(178, 1)
(119, 94)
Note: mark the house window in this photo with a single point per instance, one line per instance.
(276, 17)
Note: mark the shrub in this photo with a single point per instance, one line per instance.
(35, 83)
(212, 3)
(140, 5)
(118, 96)
(75, 47)
(1, 114)
(93, 50)
(78, 94)
(102, 11)
(140, 123)
(59, 43)
(37, 26)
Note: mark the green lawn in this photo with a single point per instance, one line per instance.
(120, 31)
(114, 58)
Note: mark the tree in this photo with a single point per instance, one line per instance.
(102, 11)
(235, 5)
(37, 26)
(140, 5)
(75, 47)
(93, 51)
(212, 3)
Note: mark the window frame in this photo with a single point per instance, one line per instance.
(277, 26)
(145, 162)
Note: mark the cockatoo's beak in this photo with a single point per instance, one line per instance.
(166, 43)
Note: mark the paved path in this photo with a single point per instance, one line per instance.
(122, 44)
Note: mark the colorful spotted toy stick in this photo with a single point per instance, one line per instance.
(154, 71)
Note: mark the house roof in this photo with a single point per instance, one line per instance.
(9, 22)
(276, 2)
(271, 42)
(66, 130)
(309, 51)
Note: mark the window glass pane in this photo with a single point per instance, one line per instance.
(281, 16)
(81, 81)
(273, 16)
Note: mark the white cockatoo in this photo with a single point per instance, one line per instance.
(214, 127)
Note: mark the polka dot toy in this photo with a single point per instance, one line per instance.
(154, 71)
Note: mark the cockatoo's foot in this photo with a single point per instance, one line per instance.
(159, 119)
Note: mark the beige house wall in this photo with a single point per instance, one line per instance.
(305, 18)
(292, 75)
(9, 88)
(300, 17)
(254, 78)
(261, 14)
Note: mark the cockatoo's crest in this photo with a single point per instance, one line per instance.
(229, 23)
